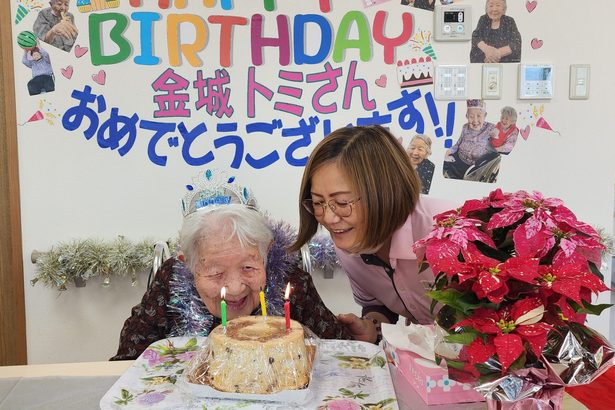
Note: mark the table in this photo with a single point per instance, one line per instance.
(63, 386)
(80, 386)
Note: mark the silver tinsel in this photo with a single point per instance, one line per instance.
(78, 261)
(322, 252)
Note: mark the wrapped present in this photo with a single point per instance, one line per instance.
(410, 350)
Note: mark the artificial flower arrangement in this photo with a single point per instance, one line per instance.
(515, 274)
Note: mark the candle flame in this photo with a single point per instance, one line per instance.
(287, 293)
(223, 292)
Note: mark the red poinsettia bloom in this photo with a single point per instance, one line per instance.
(507, 330)
(491, 275)
(451, 235)
(568, 277)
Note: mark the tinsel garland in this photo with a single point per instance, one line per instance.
(77, 261)
(322, 253)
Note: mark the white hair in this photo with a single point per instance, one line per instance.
(246, 224)
(425, 139)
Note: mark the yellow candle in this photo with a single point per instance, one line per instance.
(263, 304)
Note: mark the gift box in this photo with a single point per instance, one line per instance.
(414, 361)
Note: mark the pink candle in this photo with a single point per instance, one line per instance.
(287, 307)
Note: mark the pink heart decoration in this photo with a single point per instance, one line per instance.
(80, 51)
(531, 5)
(100, 77)
(67, 72)
(536, 43)
(525, 132)
(382, 81)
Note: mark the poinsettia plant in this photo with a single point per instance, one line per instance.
(511, 269)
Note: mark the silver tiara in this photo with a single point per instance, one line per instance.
(210, 190)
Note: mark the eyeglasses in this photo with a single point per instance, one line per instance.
(341, 209)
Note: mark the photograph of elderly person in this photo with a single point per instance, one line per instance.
(37, 59)
(418, 151)
(55, 25)
(504, 135)
(232, 245)
(496, 38)
(473, 145)
(360, 185)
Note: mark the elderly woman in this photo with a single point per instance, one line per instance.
(504, 136)
(496, 38)
(227, 243)
(418, 151)
(474, 143)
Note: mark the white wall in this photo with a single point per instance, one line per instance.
(70, 188)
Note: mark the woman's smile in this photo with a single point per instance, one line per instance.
(237, 304)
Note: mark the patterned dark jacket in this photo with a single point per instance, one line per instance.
(155, 318)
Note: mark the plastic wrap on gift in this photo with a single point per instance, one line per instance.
(578, 354)
(525, 389)
(255, 357)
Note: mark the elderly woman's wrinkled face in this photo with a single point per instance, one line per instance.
(240, 270)
(476, 118)
(417, 151)
(495, 9)
(506, 121)
(59, 6)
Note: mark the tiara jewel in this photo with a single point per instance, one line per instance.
(212, 189)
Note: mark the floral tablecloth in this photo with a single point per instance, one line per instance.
(347, 375)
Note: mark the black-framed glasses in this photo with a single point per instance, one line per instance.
(339, 208)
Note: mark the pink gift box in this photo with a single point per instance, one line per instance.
(429, 380)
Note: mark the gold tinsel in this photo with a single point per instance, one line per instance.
(78, 261)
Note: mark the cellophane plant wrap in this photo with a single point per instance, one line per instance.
(513, 271)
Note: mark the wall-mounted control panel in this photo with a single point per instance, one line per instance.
(453, 22)
(535, 81)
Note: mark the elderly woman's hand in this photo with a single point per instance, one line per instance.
(361, 329)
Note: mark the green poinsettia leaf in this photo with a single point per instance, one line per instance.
(462, 338)
(455, 364)
(464, 302)
(595, 270)
(588, 308)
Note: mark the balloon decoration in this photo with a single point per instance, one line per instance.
(27, 40)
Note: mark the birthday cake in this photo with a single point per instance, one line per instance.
(254, 354)
(415, 72)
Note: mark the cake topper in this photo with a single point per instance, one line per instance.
(210, 189)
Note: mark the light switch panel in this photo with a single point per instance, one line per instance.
(451, 82)
(579, 81)
(492, 82)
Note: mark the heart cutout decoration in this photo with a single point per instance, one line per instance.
(100, 77)
(382, 81)
(536, 43)
(67, 72)
(525, 132)
(531, 5)
(80, 51)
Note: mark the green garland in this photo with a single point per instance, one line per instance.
(78, 261)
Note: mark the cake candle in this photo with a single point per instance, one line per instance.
(223, 307)
(269, 5)
(287, 307)
(261, 295)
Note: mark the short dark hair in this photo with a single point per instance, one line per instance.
(380, 172)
